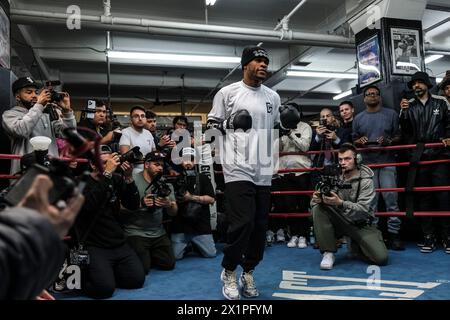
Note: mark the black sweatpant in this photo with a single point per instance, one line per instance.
(154, 252)
(430, 176)
(247, 212)
(110, 269)
(291, 203)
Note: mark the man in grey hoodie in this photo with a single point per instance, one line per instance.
(348, 212)
(29, 118)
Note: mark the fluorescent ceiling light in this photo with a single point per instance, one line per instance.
(433, 57)
(146, 56)
(342, 95)
(316, 74)
(210, 2)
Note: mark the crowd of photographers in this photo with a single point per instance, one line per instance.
(138, 209)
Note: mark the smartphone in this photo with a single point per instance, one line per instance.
(90, 112)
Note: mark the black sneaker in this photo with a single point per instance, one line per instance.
(395, 243)
(429, 244)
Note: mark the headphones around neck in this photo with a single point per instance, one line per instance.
(358, 160)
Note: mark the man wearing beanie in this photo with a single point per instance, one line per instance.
(246, 104)
(426, 119)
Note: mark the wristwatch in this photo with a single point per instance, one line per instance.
(107, 174)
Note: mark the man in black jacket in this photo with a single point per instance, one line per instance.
(426, 119)
(112, 262)
(31, 250)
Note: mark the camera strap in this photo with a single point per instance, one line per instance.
(197, 184)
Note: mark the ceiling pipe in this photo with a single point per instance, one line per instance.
(186, 33)
(434, 26)
(196, 29)
(285, 21)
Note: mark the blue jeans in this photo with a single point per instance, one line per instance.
(387, 178)
(204, 243)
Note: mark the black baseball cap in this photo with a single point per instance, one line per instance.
(154, 156)
(24, 82)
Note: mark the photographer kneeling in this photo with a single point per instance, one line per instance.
(144, 226)
(113, 264)
(348, 212)
(192, 225)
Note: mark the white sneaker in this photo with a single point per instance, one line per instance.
(302, 243)
(269, 237)
(280, 236)
(327, 261)
(293, 242)
(230, 289)
(248, 285)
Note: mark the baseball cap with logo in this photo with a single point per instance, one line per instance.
(154, 156)
(24, 82)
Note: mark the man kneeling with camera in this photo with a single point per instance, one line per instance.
(191, 228)
(111, 262)
(347, 212)
(144, 226)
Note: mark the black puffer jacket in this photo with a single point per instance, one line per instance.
(429, 123)
(31, 254)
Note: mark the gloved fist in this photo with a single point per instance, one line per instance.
(241, 119)
(289, 116)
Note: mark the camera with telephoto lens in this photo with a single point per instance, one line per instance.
(160, 186)
(330, 181)
(330, 127)
(132, 156)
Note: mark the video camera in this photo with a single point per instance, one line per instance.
(132, 156)
(330, 127)
(330, 180)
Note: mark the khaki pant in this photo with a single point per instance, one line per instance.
(330, 226)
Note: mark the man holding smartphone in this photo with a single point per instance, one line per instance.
(426, 119)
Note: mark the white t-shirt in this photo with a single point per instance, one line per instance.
(248, 156)
(144, 140)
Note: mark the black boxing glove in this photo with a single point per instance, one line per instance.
(289, 116)
(241, 119)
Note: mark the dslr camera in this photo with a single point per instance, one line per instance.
(323, 123)
(330, 181)
(58, 171)
(132, 156)
(54, 99)
(181, 183)
(161, 188)
(55, 96)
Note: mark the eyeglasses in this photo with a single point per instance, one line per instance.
(372, 94)
(142, 116)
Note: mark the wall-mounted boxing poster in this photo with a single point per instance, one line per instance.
(406, 54)
(5, 54)
(369, 62)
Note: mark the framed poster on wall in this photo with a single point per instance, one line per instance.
(5, 53)
(406, 52)
(369, 61)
